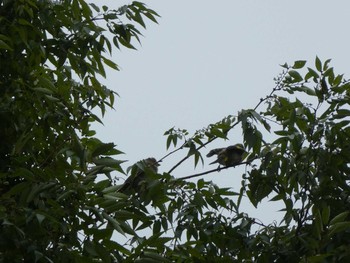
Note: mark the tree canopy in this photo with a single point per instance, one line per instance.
(60, 201)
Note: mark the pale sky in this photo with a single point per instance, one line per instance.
(209, 59)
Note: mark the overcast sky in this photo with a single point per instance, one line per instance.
(209, 59)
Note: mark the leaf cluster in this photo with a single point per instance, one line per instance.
(52, 168)
(298, 155)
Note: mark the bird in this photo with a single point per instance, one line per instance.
(229, 156)
(138, 176)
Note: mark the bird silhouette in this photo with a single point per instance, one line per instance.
(138, 175)
(229, 156)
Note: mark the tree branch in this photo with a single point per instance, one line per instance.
(211, 171)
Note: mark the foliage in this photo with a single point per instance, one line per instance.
(59, 199)
(51, 54)
(302, 161)
(298, 143)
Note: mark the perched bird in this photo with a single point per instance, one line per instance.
(138, 176)
(228, 156)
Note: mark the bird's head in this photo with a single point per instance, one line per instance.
(152, 162)
(237, 147)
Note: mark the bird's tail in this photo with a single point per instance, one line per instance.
(216, 161)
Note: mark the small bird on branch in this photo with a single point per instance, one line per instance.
(229, 156)
(140, 172)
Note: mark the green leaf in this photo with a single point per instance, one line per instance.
(153, 257)
(6, 38)
(43, 90)
(341, 113)
(110, 63)
(169, 141)
(95, 7)
(102, 148)
(308, 91)
(85, 9)
(318, 64)
(299, 64)
(278, 197)
(339, 218)
(266, 125)
(325, 214)
(218, 133)
(151, 17)
(338, 79)
(46, 83)
(113, 222)
(156, 227)
(138, 18)
(325, 64)
(311, 74)
(3, 45)
(39, 188)
(295, 75)
(126, 43)
(102, 252)
(338, 227)
(108, 162)
(117, 247)
(318, 258)
(197, 157)
(285, 65)
(317, 222)
(282, 133)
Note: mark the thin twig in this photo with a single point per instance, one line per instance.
(276, 88)
(211, 171)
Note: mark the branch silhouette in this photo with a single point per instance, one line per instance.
(277, 87)
(211, 171)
